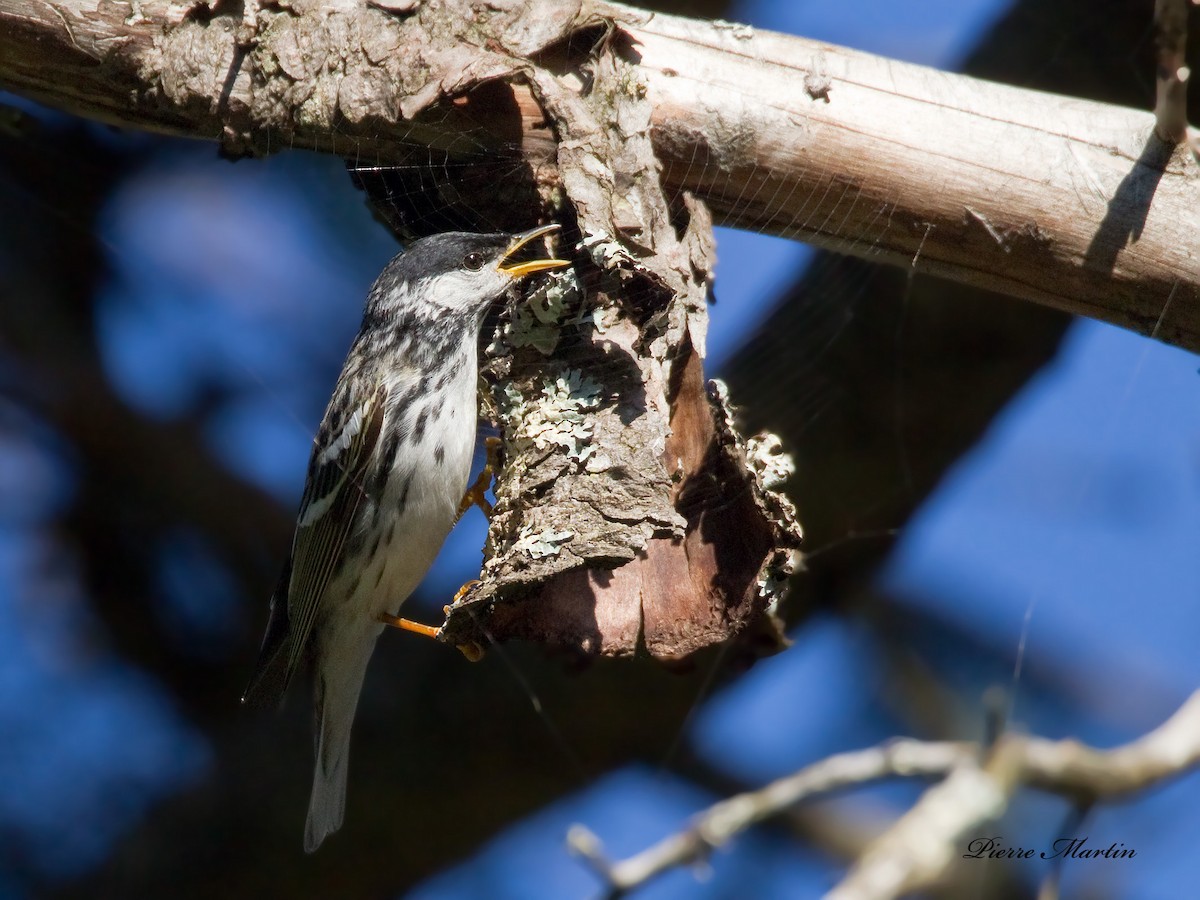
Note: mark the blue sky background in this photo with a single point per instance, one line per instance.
(1073, 526)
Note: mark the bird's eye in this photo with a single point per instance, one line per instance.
(473, 261)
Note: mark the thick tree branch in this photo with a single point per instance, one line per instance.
(921, 845)
(1064, 202)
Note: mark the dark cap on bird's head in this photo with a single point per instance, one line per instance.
(455, 272)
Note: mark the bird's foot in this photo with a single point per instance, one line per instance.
(460, 593)
(476, 494)
(471, 650)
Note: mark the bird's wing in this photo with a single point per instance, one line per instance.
(332, 495)
(333, 492)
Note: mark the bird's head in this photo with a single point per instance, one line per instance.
(456, 274)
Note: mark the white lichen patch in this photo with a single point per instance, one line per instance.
(605, 250)
(604, 318)
(539, 320)
(720, 393)
(774, 576)
(767, 459)
(541, 543)
(559, 415)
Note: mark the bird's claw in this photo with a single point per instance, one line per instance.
(460, 593)
(471, 650)
(476, 494)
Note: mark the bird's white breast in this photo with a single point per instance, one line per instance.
(408, 522)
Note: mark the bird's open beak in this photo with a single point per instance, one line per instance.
(516, 270)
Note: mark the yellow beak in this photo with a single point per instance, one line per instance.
(518, 270)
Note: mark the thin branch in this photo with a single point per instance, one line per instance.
(713, 828)
(1170, 33)
(916, 851)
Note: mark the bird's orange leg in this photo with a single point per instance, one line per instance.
(428, 631)
(471, 650)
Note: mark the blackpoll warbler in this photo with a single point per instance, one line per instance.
(389, 465)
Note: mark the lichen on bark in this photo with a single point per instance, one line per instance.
(627, 515)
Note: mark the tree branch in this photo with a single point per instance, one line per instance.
(725, 820)
(1052, 199)
(919, 847)
(1056, 200)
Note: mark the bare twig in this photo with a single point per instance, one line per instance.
(919, 847)
(916, 851)
(904, 757)
(1170, 108)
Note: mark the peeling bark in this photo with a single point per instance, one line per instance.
(626, 517)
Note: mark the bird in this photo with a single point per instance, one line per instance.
(389, 465)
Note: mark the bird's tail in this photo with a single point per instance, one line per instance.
(337, 684)
(273, 671)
